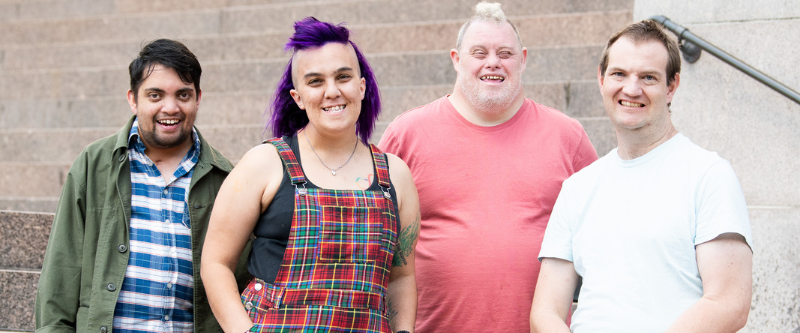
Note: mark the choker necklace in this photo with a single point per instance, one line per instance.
(333, 171)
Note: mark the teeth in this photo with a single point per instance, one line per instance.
(334, 108)
(630, 104)
(169, 122)
(492, 77)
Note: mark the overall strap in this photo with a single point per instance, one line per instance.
(381, 166)
(289, 160)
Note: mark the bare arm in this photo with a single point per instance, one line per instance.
(552, 299)
(726, 268)
(246, 192)
(402, 291)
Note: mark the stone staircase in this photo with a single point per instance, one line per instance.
(63, 78)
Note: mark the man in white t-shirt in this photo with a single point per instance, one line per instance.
(658, 229)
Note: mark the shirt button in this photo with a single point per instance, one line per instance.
(166, 221)
(121, 158)
(111, 287)
(122, 248)
(169, 285)
(166, 318)
(248, 306)
(257, 287)
(166, 191)
(173, 250)
(103, 329)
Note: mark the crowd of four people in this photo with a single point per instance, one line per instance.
(317, 230)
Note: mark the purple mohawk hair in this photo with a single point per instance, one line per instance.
(287, 118)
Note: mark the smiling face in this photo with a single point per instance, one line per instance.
(490, 63)
(328, 86)
(166, 108)
(634, 86)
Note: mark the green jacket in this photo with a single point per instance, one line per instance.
(87, 253)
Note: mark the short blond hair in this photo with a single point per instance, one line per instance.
(487, 11)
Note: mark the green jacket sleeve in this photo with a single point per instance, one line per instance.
(57, 297)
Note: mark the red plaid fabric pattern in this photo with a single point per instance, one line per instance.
(381, 166)
(336, 266)
(292, 166)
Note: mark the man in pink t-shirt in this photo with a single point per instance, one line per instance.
(488, 164)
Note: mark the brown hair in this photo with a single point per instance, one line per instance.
(643, 31)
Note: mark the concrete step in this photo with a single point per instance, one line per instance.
(24, 179)
(57, 146)
(21, 10)
(257, 19)
(39, 10)
(266, 18)
(29, 204)
(535, 31)
(130, 27)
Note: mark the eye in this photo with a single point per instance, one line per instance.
(314, 82)
(344, 77)
(479, 54)
(504, 55)
(153, 95)
(649, 78)
(185, 95)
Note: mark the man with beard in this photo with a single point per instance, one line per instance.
(124, 249)
(488, 164)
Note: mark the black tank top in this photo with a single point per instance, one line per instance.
(274, 225)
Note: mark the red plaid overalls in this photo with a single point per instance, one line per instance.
(336, 266)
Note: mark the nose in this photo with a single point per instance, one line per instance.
(632, 86)
(492, 60)
(331, 89)
(171, 105)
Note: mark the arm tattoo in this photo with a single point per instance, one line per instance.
(405, 243)
(391, 313)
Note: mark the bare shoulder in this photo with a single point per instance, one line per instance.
(262, 159)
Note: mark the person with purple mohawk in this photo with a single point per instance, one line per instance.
(334, 220)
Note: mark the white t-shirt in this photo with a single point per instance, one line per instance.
(631, 226)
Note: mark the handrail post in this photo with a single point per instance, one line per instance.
(684, 36)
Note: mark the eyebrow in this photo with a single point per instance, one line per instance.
(341, 69)
(161, 91)
(499, 48)
(184, 90)
(158, 90)
(648, 72)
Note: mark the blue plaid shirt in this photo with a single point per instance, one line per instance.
(157, 292)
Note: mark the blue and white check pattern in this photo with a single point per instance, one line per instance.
(157, 293)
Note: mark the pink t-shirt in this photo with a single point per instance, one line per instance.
(486, 194)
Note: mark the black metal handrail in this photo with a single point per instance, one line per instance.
(692, 46)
